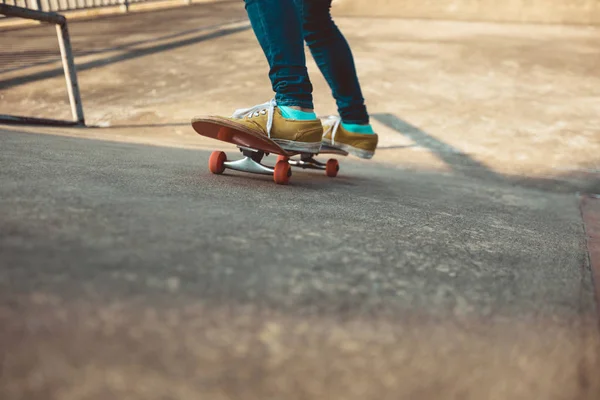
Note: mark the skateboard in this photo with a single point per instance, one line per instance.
(254, 147)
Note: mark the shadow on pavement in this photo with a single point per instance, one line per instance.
(8, 83)
(22, 59)
(464, 164)
(558, 183)
(121, 126)
(453, 157)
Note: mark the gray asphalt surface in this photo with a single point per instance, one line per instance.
(129, 271)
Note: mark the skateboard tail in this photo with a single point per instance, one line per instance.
(229, 132)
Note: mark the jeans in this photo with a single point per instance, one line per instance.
(282, 27)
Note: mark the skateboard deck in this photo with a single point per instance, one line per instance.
(232, 133)
(254, 147)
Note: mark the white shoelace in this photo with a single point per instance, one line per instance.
(260, 109)
(333, 123)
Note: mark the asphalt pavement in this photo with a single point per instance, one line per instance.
(130, 271)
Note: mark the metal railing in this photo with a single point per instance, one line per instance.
(68, 62)
(46, 11)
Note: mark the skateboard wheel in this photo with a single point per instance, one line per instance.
(216, 162)
(282, 172)
(282, 158)
(332, 167)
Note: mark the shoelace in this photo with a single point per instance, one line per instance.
(333, 123)
(260, 109)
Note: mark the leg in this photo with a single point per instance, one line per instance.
(334, 58)
(288, 122)
(277, 27)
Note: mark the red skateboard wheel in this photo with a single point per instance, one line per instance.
(282, 173)
(216, 162)
(332, 167)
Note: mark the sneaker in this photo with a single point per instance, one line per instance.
(359, 144)
(302, 136)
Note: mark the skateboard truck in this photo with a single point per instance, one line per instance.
(281, 172)
(250, 163)
(307, 161)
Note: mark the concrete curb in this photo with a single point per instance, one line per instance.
(590, 212)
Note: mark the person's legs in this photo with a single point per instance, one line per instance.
(287, 120)
(277, 27)
(334, 58)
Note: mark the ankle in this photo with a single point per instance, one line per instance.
(358, 128)
(302, 109)
(299, 113)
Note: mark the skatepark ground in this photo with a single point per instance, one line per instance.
(457, 264)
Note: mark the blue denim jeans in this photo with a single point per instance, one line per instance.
(282, 27)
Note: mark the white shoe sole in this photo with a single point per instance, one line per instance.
(300, 147)
(361, 153)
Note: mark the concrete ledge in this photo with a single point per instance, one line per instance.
(529, 11)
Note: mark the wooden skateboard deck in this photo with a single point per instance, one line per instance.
(234, 134)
